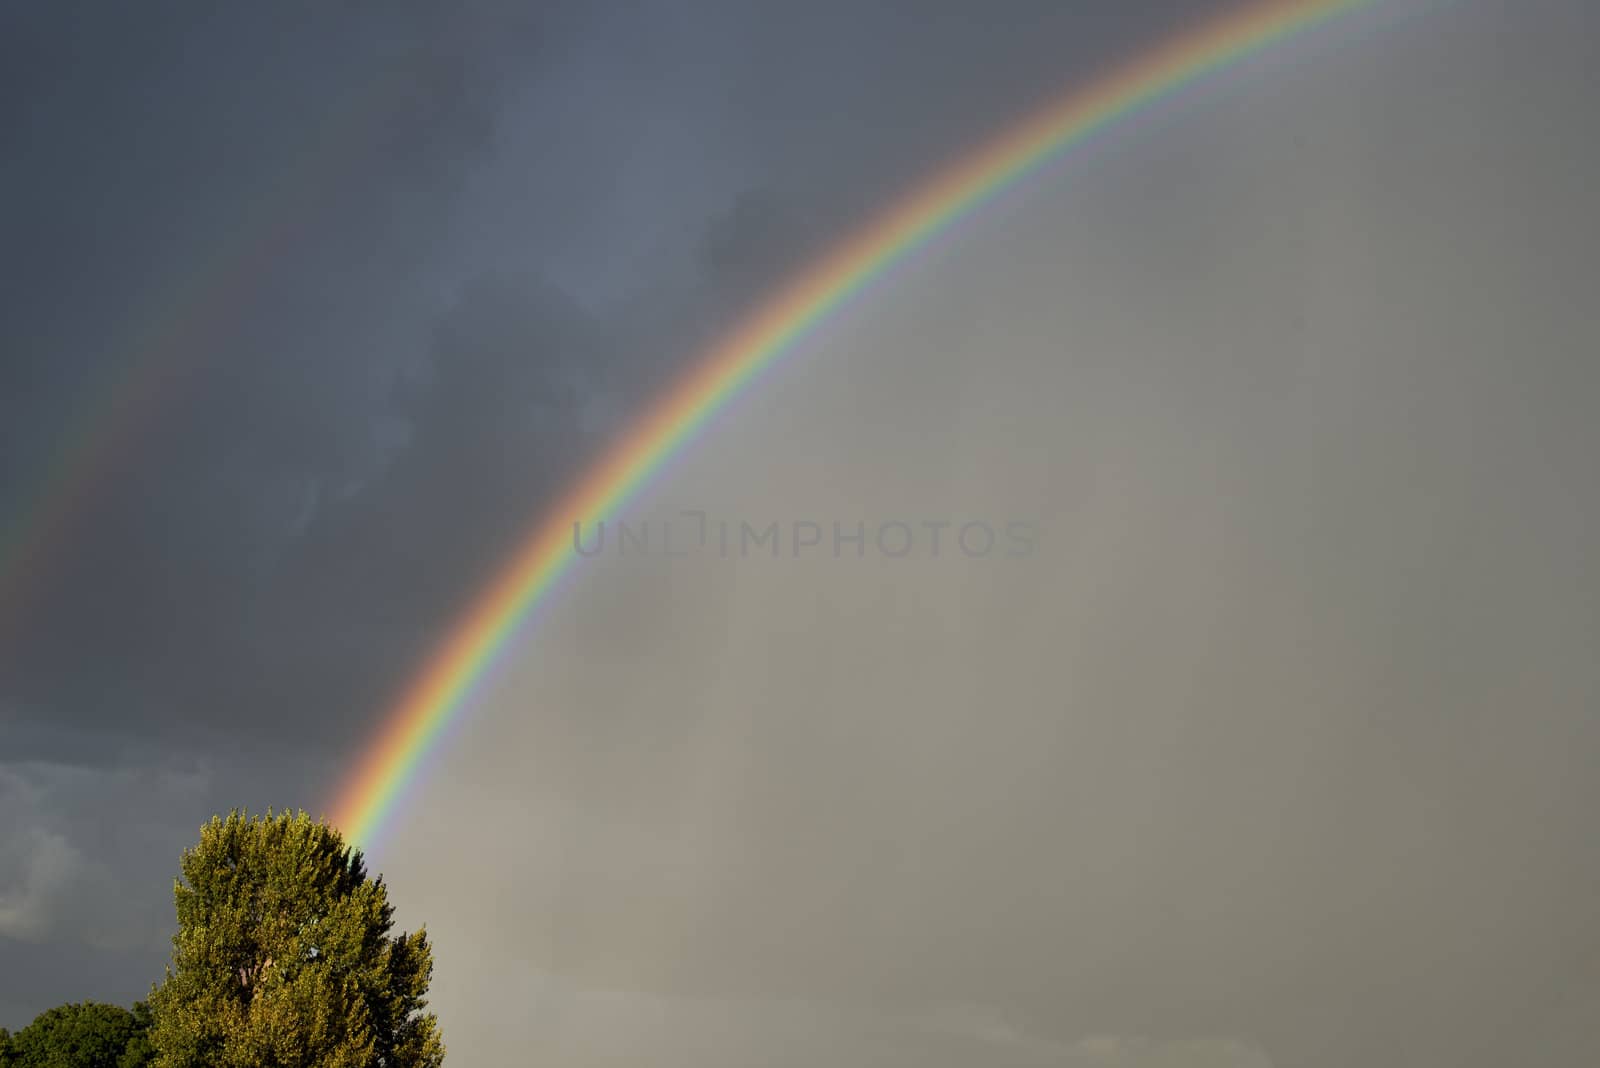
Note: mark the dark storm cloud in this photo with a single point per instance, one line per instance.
(375, 406)
(557, 208)
(419, 261)
(248, 503)
(1296, 750)
(386, 352)
(181, 215)
(174, 204)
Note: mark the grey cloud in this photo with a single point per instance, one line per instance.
(175, 207)
(1282, 739)
(1232, 760)
(267, 337)
(42, 866)
(71, 876)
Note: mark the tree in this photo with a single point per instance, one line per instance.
(85, 1035)
(139, 1053)
(284, 958)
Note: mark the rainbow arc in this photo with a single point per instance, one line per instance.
(442, 690)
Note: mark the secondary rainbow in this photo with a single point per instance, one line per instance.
(438, 694)
(174, 334)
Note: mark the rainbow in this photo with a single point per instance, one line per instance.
(172, 339)
(436, 697)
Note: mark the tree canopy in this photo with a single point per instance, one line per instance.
(284, 957)
(84, 1035)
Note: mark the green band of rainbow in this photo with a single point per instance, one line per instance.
(370, 794)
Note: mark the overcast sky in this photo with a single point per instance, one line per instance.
(1280, 747)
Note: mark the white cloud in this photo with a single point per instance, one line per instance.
(71, 864)
(37, 869)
